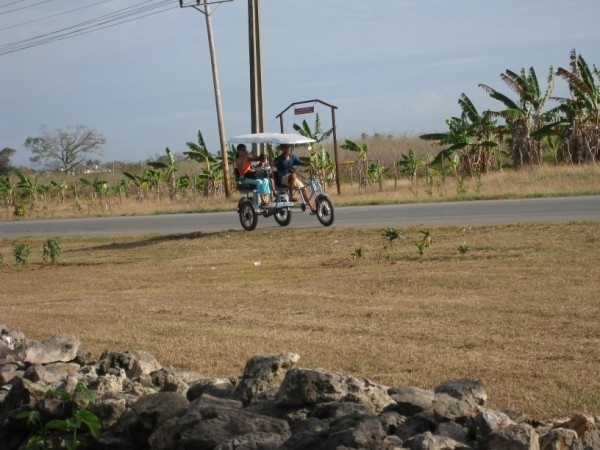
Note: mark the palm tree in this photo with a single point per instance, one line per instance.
(524, 116)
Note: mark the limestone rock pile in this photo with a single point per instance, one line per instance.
(273, 404)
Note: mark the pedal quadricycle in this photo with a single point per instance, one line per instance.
(315, 199)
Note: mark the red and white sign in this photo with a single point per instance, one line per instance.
(305, 110)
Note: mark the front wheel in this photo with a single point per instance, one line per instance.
(283, 217)
(325, 211)
(248, 215)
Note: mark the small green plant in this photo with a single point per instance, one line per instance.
(62, 433)
(19, 210)
(21, 252)
(357, 254)
(51, 251)
(463, 248)
(390, 235)
(425, 242)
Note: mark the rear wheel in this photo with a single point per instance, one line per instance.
(325, 211)
(283, 217)
(248, 216)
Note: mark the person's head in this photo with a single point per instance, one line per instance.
(286, 148)
(262, 158)
(241, 149)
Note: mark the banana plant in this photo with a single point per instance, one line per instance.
(361, 160)
(320, 158)
(60, 188)
(524, 115)
(375, 174)
(578, 117)
(211, 174)
(27, 187)
(409, 164)
(472, 136)
(167, 173)
(6, 190)
(140, 182)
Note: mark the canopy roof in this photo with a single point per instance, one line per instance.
(271, 138)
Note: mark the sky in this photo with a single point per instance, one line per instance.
(389, 66)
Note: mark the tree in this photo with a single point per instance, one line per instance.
(471, 136)
(64, 149)
(5, 155)
(579, 123)
(211, 174)
(361, 160)
(524, 116)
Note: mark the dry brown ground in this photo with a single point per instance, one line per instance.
(518, 310)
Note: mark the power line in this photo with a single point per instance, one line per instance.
(53, 15)
(129, 14)
(25, 7)
(11, 3)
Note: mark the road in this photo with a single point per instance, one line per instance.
(482, 212)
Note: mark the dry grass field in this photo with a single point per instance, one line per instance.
(518, 308)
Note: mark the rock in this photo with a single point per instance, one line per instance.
(58, 348)
(134, 362)
(10, 370)
(459, 399)
(558, 439)
(263, 373)
(411, 400)
(488, 421)
(309, 387)
(580, 424)
(217, 387)
(51, 374)
(272, 405)
(217, 423)
(520, 436)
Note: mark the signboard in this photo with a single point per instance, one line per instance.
(306, 110)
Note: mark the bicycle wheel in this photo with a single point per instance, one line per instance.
(325, 210)
(283, 217)
(248, 215)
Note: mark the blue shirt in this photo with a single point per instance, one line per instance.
(286, 166)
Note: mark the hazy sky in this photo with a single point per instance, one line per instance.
(390, 66)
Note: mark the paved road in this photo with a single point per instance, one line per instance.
(483, 212)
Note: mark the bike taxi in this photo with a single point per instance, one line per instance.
(249, 206)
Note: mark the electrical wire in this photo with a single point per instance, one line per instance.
(125, 15)
(25, 7)
(53, 15)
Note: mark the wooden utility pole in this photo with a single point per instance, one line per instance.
(256, 88)
(217, 89)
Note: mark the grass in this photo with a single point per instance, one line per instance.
(517, 309)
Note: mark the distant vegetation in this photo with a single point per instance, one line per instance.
(526, 132)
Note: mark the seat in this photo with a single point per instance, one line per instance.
(243, 188)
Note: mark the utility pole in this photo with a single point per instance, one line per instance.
(217, 89)
(256, 88)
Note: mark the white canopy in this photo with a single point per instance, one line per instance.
(271, 138)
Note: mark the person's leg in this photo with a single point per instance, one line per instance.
(292, 182)
(264, 190)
